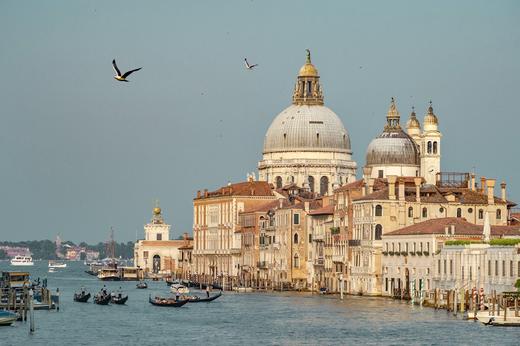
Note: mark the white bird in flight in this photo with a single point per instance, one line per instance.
(118, 76)
(249, 67)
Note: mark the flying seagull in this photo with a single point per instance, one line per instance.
(118, 76)
(249, 67)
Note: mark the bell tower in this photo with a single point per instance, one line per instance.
(157, 229)
(430, 147)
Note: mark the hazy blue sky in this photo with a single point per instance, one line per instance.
(81, 152)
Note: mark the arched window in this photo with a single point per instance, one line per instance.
(459, 212)
(292, 178)
(424, 212)
(296, 261)
(317, 138)
(499, 214)
(295, 238)
(379, 232)
(379, 210)
(324, 186)
(311, 183)
(410, 212)
(278, 182)
(156, 264)
(435, 147)
(480, 214)
(429, 147)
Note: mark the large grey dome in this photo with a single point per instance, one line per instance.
(391, 148)
(307, 128)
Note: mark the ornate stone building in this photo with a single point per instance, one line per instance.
(217, 240)
(413, 154)
(156, 253)
(307, 143)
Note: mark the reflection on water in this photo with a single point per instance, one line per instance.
(239, 319)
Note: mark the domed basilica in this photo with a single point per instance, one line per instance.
(307, 143)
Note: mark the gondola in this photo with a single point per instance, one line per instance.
(118, 299)
(169, 302)
(102, 298)
(81, 297)
(142, 285)
(197, 299)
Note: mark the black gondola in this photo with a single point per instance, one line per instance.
(197, 299)
(169, 302)
(102, 298)
(142, 285)
(118, 299)
(81, 297)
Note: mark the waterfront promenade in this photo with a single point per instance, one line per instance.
(286, 318)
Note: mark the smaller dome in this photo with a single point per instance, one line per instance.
(393, 148)
(413, 122)
(308, 70)
(157, 211)
(430, 117)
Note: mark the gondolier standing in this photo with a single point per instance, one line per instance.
(207, 291)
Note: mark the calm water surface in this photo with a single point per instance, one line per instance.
(239, 319)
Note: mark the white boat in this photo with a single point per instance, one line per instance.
(22, 261)
(7, 317)
(52, 270)
(179, 288)
(56, 264)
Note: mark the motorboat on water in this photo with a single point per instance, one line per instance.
(52, 270)
(56, 264)
(178, 288)
(22, 261)
(7, 317)
(142, 285)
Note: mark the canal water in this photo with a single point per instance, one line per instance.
(264, 318)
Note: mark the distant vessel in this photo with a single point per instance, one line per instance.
(57, 264)
(22, 261)
(52, 270)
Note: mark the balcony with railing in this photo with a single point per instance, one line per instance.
(262, 265)
(319, 261)
(338, 258)
(354, 242)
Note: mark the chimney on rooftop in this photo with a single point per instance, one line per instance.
(472, 183)
(391, 186)
(482, 184)
(205, 192)
(367, 172)
(185, 236)
(503, 188)
(491, 191)
(306, 206)
(401, 189)
(417, 182)
(198, 193)
(370, 185)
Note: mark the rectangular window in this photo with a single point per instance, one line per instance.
(159, 236)
(462, 273)
(420, 247)
(503, 268)
(310, 238)
(439, 267)
(145, 254)
(296, 219)
(470, 274)
(428, 246)
(451, 267)
(489, 267)
(386, 284)
(496, 268)
(406, 249)
(444, 266)
(380, 173)
(511, 268)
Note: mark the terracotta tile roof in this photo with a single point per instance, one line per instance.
(247, 188)
(264, 207)
(328, 210)
(462, 227)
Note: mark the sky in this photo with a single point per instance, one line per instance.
(81, 152)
